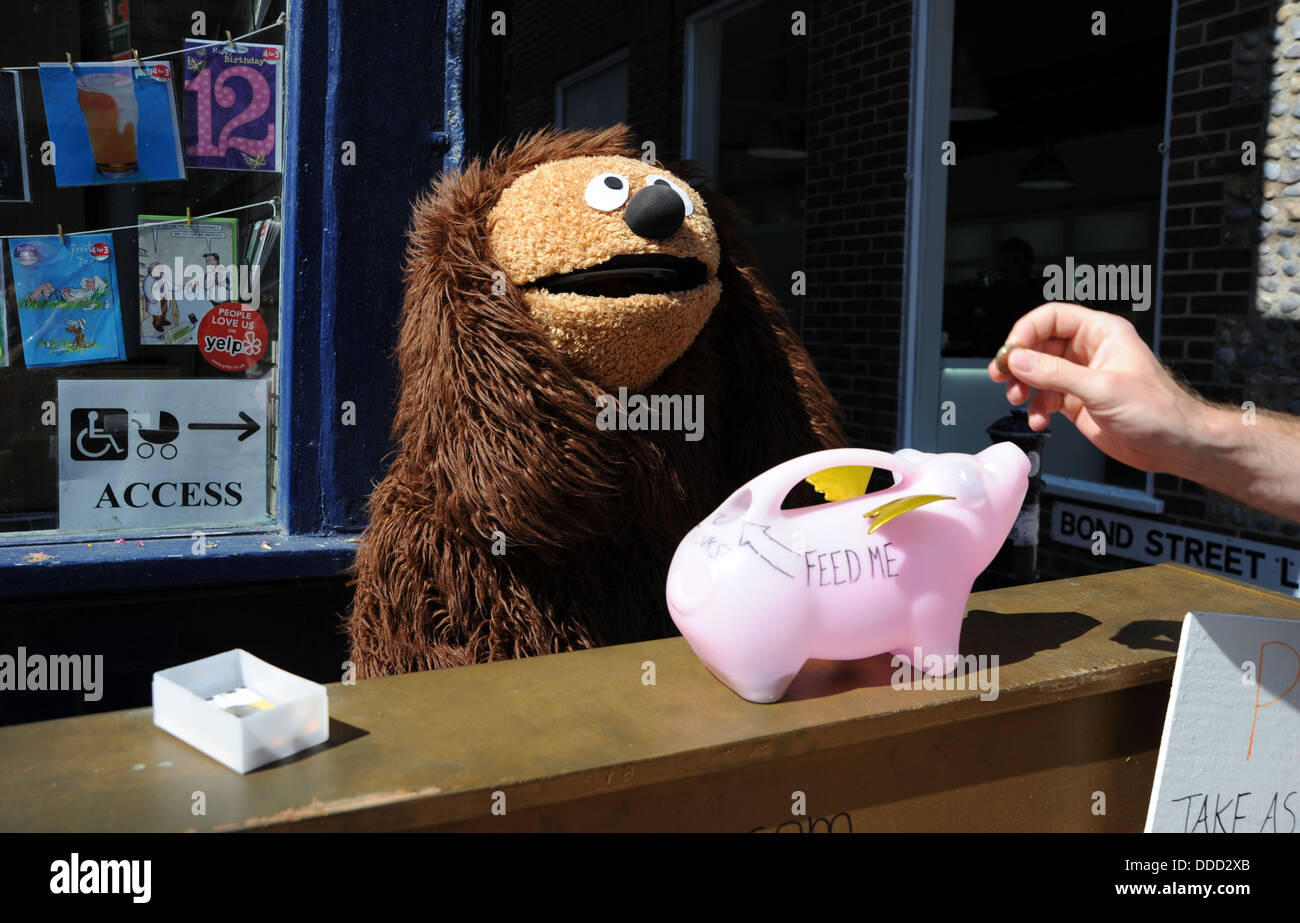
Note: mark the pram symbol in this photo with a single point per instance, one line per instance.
(100, 434)
(161, 436)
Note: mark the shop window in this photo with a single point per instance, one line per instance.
(1053, 174)
(594, 97)
(139, 385)
(746, 123)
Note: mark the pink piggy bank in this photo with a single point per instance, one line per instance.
(757, 590)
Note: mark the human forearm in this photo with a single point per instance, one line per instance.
(1250, 455)
(1094, 368)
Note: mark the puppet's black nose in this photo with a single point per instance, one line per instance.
(656, 212)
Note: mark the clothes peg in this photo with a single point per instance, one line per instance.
(230, 42)
(187, 215)
(70, 67)
(61, 240)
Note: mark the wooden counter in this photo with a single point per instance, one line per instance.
(579, 741)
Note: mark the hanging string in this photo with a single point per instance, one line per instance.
(273, 202)
(167, 54)
(150, 223)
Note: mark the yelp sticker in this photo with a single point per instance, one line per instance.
(232, 337)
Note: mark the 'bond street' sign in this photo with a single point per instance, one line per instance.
(1136, 539)
(161, 454)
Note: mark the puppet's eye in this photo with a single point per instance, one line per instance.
(606, 192)
(656, 180)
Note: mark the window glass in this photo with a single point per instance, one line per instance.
(596, 97)
(748, 127)
(1053, 196)
(138, 381)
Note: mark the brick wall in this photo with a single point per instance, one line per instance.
(860, 59)
(1222, 69)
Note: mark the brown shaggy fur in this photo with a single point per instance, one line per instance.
(498, 435)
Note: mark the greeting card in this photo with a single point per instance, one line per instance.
(112, 123)
(232, 106)
(13, 141)
(4, 319)
(68, 306)
(186, 268)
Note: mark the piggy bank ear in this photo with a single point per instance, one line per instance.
(912, 456)
(842, 483)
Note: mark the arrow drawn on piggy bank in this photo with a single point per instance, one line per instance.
(756, 537)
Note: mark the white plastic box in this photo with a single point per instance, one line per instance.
(298, 716)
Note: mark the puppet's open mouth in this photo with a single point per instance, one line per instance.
(629, 274)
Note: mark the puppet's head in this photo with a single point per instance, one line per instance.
(617, 260)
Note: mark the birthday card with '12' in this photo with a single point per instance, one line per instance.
(232, 106)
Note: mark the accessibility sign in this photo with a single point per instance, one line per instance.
(162, 453)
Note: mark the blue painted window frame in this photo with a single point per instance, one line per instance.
(342, 247)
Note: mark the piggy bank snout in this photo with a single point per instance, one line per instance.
(1006, 457)
(690, 585)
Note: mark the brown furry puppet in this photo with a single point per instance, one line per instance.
(515, 519)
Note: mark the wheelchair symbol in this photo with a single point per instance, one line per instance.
(101, 434)
(167, 430)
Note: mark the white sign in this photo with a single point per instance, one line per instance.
(1153, 542)
(1230, 755)
(161, 453)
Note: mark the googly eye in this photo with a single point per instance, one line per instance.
(655, 179)
(606, 191)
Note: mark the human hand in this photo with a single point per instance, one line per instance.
(1093, 368)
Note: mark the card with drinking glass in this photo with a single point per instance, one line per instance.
(112, 123)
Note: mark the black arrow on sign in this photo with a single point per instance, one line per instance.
(249, 426)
